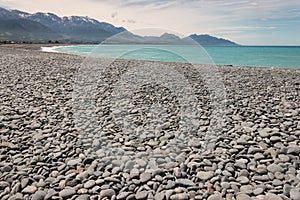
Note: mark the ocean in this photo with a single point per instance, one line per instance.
(259, 56)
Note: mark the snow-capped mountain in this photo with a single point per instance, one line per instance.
(72, 28)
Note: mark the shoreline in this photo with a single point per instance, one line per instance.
(53, 49)
(45, 155)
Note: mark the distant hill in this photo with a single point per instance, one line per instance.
(207, 40)
(16, 25)
(167, 38)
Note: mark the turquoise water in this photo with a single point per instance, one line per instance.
(264, 56)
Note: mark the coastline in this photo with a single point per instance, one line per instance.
(238, 56)
(42, 152)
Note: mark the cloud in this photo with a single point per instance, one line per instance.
(131, 21)
(114, 14)
(241, 18)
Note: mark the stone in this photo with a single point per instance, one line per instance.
(107, 193)
(258, 191)
(243, 180)
(39, 195)
(123, 195)
(243, 196)
(215, 197)
(180, 196)
(141, 195)
(271, 196)
(6, 168)
(29, 190)
(295, 193)
(293, 150)
(83, 197)
(17, 196)
(159, 196)
(50, 194)
(205, 175)
(184, 182)
(4, 184)
(89, 184)
(286, 189)
(66, 193)
(274, 168)
(145, 177)
(74, 162)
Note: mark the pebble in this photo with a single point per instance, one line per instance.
(107, 193)
(74, 162)
(270, 196)
(243, 196)
(145, 177)
(83, 197)
(141, 195)
(180, 196)
(215, 197)
(123, 195)
(184, 182)
(89, 184)
(274, 168)
(205, 175)
(39, 195)
(258, 191)
(66, 193)
(295, 193)
(29, 190)
(243, 180)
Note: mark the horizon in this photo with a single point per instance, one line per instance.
(235, 21)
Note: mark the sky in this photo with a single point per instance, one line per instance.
(246, 22)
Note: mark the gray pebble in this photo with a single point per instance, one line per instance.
(145, 177)
(141, 195)
(68, 192)
(29, 190)
(215, 197)
(243, 196)
(180, 196)
(271, 196)
(274, 168)
(205, 175)
(184, 182)
(295, 193)
(107, 193)
(89, 184)
(39, 195)
(83, 197)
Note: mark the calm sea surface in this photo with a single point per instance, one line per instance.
(260, 56)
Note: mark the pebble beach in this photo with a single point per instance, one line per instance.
(256, 154)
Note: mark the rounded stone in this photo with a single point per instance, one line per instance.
(29, 190)
(180, 196)
(66, 193)
(107, 193)
(205, 175)
(295, 193)
(39, 195)
(243, 196)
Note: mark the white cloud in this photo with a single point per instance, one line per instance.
(184, 16)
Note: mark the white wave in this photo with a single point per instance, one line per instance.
(51, 49)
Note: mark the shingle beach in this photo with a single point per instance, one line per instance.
(256, 153)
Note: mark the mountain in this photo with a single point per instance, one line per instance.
(207, 40)
(168, 39)
(72, 29)
(25, 30)
(17, 25)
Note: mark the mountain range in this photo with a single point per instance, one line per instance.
(16, 25)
